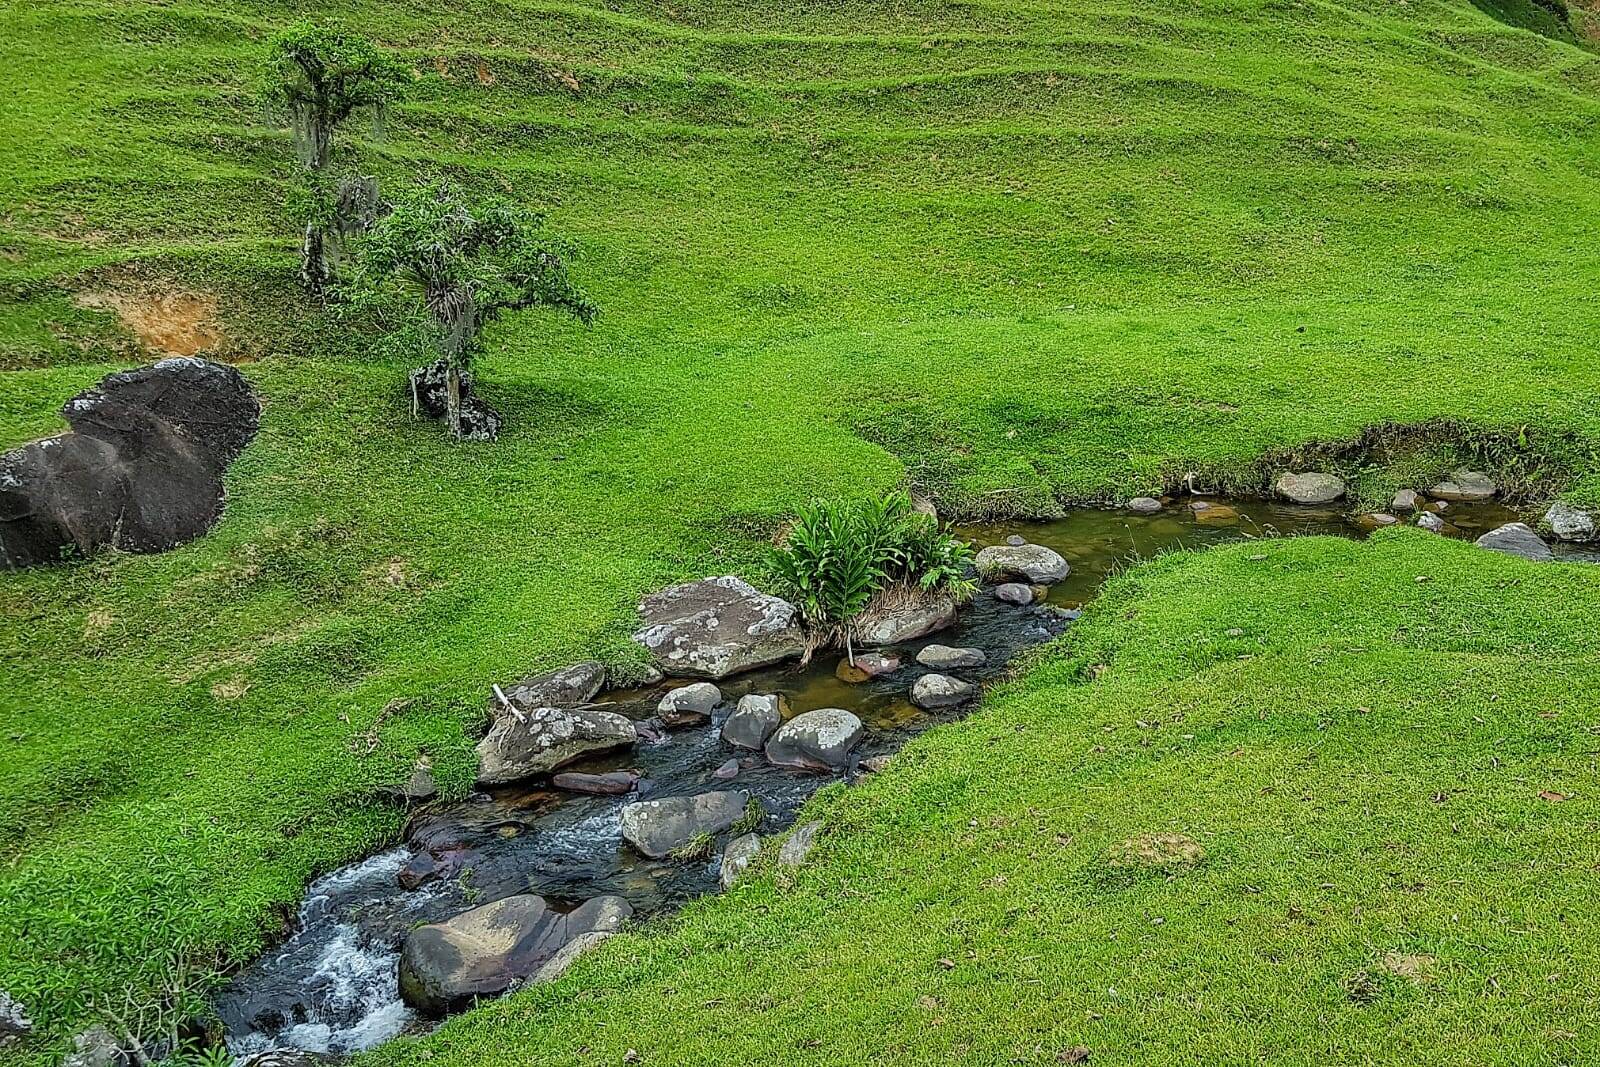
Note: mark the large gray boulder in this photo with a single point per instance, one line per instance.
(753, 721)
(688, 704)
(140, 471)
(1568, 523)
(445, 966)
(819, 740)
(1311, 488)
(902, 619)
(1034, 564)
(1464, 485)
(717, 627)
(941, 691)
(522, 744)
(564, 688)
(657, 828)
(1517, 539)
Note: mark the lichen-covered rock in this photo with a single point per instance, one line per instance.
(564, 688)
(657, 828)
(1568, 523)
(141, 470)
(1464, 485)
(717, 627)
(1309, 488)
(522, 744)
(1034, 564)
(902, 619)
(753, 721)
(941, 691)
(819, 740)
(14, 1021)
(445, 966)
(1517, 539)
(689, 704)
(798, 845)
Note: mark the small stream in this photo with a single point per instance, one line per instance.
(332, 986)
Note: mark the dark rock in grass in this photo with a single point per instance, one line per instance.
(1035, 564)
(1406, 500)
(1464, 485)
(689, 704)
(430, 395)
(609, 784)
(798, 845)
(1014, 593)
(753, 721)
(1568, 523)
(418, 789)
(717, 627)
(565, 688)
(14, 1021)
(875, 764)
(945, 658)
(1517, 539)
(737, 857)
(941, 691)
(445, 966)
(1313, 488)
(525, 743)
(657, 828)
(901, 619)
(141, 470)
(1158, 851)
(818, 741)
(1144, 505)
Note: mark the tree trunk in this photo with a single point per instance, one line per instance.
(315, 273)
(452, 385)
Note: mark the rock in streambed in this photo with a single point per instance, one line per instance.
(657, 828)
(717, 627)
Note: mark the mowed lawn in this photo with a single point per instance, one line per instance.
(1017, 253)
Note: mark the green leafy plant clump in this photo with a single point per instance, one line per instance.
(844, 552)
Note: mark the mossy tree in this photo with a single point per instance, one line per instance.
(322, 77)
(463, 264)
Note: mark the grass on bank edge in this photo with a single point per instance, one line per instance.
(1395, 790)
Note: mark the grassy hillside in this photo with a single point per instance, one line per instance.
(1021, 253)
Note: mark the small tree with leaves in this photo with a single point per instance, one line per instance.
(321, 77)
(463, 264)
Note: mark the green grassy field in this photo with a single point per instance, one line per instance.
(1019, 253)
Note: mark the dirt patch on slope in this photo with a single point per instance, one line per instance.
(172, 323)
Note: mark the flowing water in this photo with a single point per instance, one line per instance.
(332, 986)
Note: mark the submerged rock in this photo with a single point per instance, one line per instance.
(798, 845)
(1014, 593)
(737, 857)
(140, 471)
(1313, 488)
(1209, 514)
(717, 627)
(611, 783)
(1464, 485)
(1034, 563)
(689, 704)
(525, 743)
(903, 619)
(659, 827)
(819, 740)
(1568, 523)
(753, 721)
(445, 966)
(569, 686)
(941, 691)
(1374, 520)
(1517, 539)
(945, 658)
(1144, 505)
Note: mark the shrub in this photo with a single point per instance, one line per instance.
(843, 552)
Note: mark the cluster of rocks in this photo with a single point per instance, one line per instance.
(430, 396)
(140, 471)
